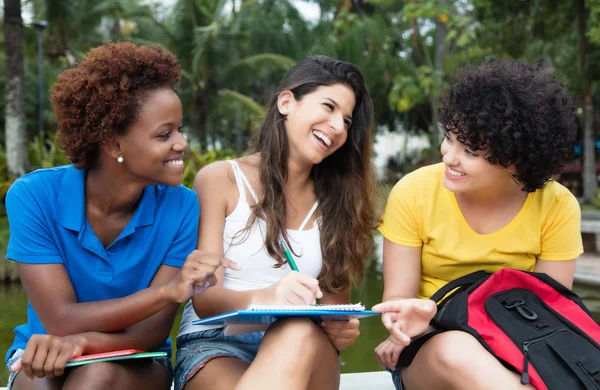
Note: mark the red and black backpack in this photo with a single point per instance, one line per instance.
(534, 326)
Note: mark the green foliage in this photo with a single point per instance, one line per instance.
(233, 53)
(195, 160)
(595, 205)
(408, 90)
(6, 180)
(44, 152)
(594, 30)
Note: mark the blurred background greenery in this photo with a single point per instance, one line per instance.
(233, 52)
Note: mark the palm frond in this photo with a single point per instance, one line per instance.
(245, 103)
(261, 64)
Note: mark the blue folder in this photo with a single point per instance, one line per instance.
(270, 316)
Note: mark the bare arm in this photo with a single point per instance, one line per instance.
(148, 334)
(213, 186)
(342, 334)
(47, 355)
(51, 294)
(401, 271)
(402, 314)
(561, 271)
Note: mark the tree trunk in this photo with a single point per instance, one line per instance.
(17, 158)
(440, 44)
(202, 122)
(590, 180)
(415, 36)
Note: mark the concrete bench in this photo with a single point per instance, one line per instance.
(590, 227)
(378, 380)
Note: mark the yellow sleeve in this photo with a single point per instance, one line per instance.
(561, 234)
(400, 221)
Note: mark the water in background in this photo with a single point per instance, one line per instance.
(358, 358)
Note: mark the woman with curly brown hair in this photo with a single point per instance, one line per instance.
(491, 204)
(309, 184)
(105, 247)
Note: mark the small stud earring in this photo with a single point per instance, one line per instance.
(119, 159)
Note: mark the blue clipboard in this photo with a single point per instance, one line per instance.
(270, 316)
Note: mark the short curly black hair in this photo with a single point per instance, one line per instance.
(521, 113)
(102, 96)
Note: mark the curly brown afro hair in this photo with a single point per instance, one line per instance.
(102, 96)
(521, 113)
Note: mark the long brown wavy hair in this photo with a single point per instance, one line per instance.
(344, 181)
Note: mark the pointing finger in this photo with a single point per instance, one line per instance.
(229, 264)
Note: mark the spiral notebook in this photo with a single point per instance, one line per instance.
(124, 354)
(267, 314)
(353, 307)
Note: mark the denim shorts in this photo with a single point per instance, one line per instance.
(15, 356)
(163, 361)
(396, 376)
(195, 350)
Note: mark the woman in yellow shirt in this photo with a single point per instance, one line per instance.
(490, 204)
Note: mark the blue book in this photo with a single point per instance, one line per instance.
(267, 314)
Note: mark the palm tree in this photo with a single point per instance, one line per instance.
(75, 26)
(219, 71)
(15, 123)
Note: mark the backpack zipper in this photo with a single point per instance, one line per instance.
(525, 371)
(526, 344)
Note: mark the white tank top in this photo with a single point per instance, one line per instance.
(247, 249)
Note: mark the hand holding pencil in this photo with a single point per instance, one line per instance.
(293, 289)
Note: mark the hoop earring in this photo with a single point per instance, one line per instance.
(119, 159)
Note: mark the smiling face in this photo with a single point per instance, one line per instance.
(317, 125)
(467, 171)
(152, 147)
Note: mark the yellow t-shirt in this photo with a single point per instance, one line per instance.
(421, 212)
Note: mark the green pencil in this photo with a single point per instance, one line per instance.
(288, 256)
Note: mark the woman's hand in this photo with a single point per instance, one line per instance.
(293, 289)
(388, 352)
(342, 334)
(46, 356)
(406, 318)
(197, 275)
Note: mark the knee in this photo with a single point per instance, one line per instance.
(455, 351)
(101, 375)
(300, 333)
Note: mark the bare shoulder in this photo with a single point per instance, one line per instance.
(250, 165)
(217, 176)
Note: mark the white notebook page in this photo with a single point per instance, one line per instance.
(349, 307)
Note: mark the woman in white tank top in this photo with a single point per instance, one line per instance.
(309, 183)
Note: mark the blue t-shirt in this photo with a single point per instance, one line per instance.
(46, 216)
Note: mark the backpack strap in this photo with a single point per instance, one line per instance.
(467, 280)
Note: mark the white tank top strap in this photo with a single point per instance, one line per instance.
(238, 180)
(310, 213)
(241, 180)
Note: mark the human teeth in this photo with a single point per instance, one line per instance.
(455, 173)
(175, 163)
(322, 137)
